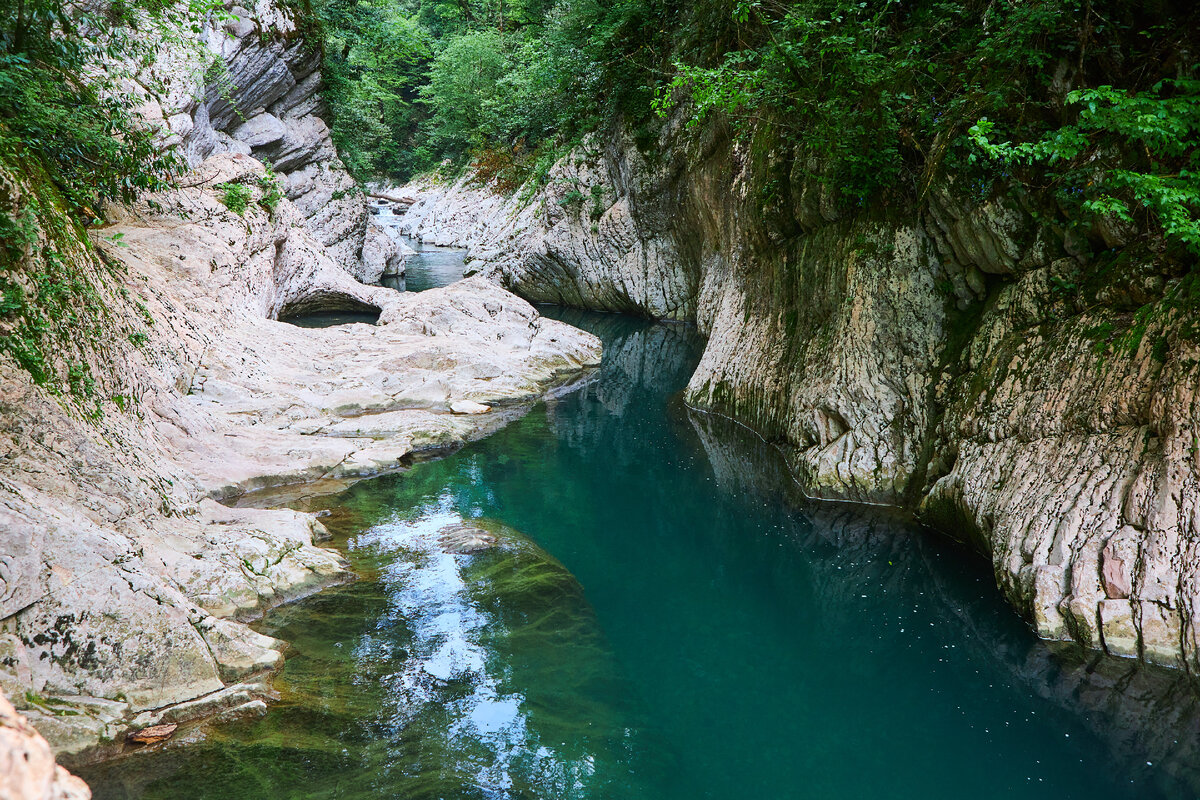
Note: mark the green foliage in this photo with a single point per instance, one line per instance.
(571, 199)
(71, 138)
(236, 197)
(62, 101)
(417, 83)
(1125, 153)
(272, 192)
(874, 90)
(877, 96)
(465, 95)
(49, 307)
(376, 56)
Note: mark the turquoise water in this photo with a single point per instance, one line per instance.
(331, 319)
(429, 268)
(664, 617)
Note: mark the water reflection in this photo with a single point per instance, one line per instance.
(1146, 717)
(672, 621)
(428, 267)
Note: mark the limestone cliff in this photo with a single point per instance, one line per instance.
(1020, 387)
(123, 580)
(145, 377)
(250, 83)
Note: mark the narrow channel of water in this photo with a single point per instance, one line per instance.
(665, 618)
(428, 268)
(332, 319)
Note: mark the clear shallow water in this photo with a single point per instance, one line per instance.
(666, 619)
(429, 268)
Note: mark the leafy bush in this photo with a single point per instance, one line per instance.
(62, 102)
(236, 197)
(465, 94)
(272, 192)
(881, 94)
(1125, 153)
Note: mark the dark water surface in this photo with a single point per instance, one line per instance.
(666, 619)
(331, 319)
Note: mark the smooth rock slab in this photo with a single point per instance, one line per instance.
(461, 539)
(261, 130)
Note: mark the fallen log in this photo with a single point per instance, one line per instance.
(392, 198)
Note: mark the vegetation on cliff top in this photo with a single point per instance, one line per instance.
(414, 83)
(63, 100)
(878, 96)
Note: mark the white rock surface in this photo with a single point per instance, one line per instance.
(123, 581)
(251, 85)
(27, 768)
(576, 243)
(935, 357)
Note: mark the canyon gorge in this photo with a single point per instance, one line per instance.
(959, 358)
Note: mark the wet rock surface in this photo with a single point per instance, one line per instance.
(462, 539)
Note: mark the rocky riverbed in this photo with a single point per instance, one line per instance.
(125, 580)
(127, 575)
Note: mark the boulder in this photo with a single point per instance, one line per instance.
(259, 131)
(27, 768)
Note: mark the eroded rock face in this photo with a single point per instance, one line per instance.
(577, 244)
(956, 357)
(124, 583)
(27, 768)
(250, 84)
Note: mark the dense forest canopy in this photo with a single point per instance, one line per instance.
(416, 82)
(1095, 100)
(1098, 100)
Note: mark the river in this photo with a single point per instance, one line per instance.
(664, 617)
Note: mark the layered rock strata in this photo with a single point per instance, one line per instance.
(248, 81)
(578, 242)
(123, 582)
(1019, 386)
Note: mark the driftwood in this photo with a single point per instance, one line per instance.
(392, 198)
(158, 733)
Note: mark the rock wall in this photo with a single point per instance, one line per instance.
(249, 82)
(1022, 388)
(577, 242)
(123, 583)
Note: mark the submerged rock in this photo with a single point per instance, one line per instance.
(462, 539)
